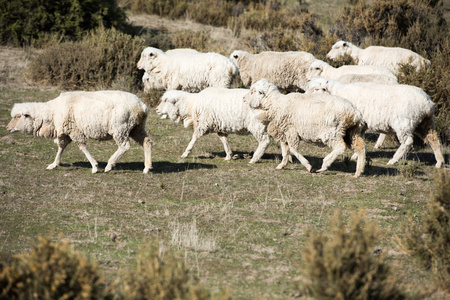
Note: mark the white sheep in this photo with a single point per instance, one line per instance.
(319, 68)
(330, 120)
(401, 109)
(77, 116)
(188, 70)
(379, 56)
(216, 110)
(287, 70)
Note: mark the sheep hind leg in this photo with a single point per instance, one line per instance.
(142, 138)
(330, 158)
(62, 143)
(226, 145)
(123, 147)
(88, 155)
(380, 141)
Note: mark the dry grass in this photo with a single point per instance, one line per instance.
(255, 217)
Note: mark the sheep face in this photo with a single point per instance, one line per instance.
(168, 108)
(317, 85)
(338, 49)
(148, 56)
(315, 69)
(258, 91)
(236, 56)
(22, 121)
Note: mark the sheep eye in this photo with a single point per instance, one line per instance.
(151, 54)
(235, 56)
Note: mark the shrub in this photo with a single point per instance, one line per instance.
(409, 169)
(418, 25)
(343, 266)
(25, 21)
(100, 59)
(428, 240)
(51, 270)
(159, 276)
(198, 40)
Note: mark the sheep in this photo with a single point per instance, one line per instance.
(77, 116)
(401, 109)
(389, 57)
(216, 110)
(331, 121)
(319, 68)
(287, 70)
(188, 70)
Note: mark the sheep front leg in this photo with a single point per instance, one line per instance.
(285, 155)
(123, 147)
(405, 144)
(195, 136)
(264, 142)
(224, 139)
(88, 155)
(293, 141)
(62, 142)
(380, 141)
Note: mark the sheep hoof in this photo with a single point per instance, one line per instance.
(280, 167)
(321, 170)
(184, 155)
(391, 162)
(51, 167)
(309, 168)
(438, 164)
(252, 162)
(146, 170)
(94, 170)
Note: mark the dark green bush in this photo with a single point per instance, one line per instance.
(29, 21)
(99, 60)
(428, 241)
(344, 266)
(51, 270)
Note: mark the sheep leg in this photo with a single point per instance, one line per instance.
(284, 154)
(62, 142)
(195, 136)
(405, 144)
(88, 155)
(293, 141)
(224, 139)
(380, 141)
(359, 147)
(435, 144)
(142, 138)
(338, 149)
(123, 147)
(264, 143)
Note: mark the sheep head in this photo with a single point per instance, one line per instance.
(23, 120)
(168, 107)
(338, 49)
(256, 97)
(315, 69)
(148, 58)
(317, 85)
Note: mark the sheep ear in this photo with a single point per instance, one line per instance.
(171, 100)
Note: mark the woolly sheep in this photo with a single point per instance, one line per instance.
(77, 116)
(319, 119)
(401, 109)
(377, 55)
(216, 110)
(287, 70)
(319, 68)
(188, 69)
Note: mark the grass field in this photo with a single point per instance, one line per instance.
(238, 226)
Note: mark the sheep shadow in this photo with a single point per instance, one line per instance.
(159, 167)
(425, 158)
